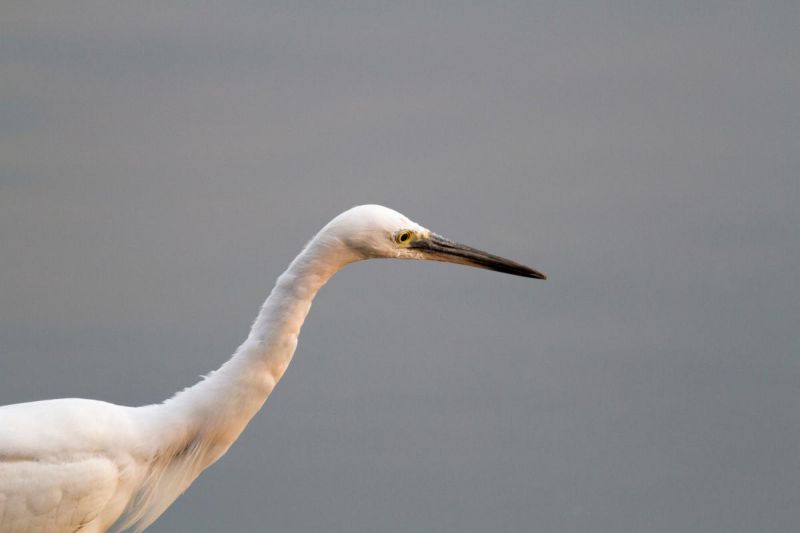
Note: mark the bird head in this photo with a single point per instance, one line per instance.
(374, 231)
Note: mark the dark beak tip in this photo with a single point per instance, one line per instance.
(537, 275)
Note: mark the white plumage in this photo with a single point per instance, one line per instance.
(74, 465)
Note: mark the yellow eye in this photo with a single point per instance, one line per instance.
(403, 237)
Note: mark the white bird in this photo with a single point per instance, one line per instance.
(74, 465)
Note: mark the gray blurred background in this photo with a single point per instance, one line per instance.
(161, 163)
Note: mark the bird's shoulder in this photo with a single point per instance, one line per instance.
(67, 462)
(44, 430)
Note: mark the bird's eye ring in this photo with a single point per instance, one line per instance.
(403, 237)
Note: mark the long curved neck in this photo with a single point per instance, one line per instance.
(191, 430)
(273, 336)
(221, 405)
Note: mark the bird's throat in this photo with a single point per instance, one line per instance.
(218, 408)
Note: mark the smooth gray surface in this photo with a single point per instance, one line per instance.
(160, 165)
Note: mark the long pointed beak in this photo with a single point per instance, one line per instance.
(437, 248)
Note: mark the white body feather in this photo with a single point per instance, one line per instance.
(73, 465)
(69, 466)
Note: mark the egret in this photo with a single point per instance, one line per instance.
(75, 465)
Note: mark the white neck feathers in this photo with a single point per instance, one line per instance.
(202, 421)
